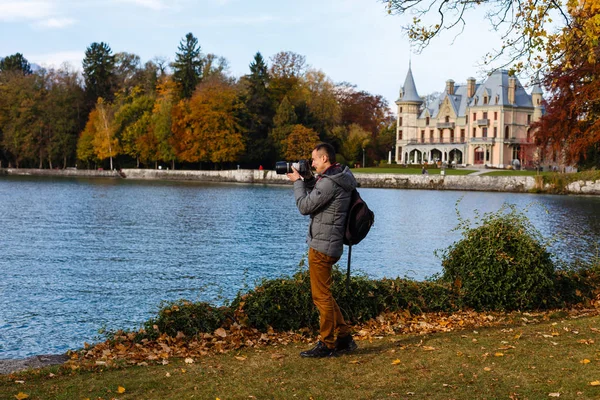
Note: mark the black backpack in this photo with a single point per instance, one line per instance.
(358, 224)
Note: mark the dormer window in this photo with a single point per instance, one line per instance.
(497, 99)
(485, 100)
(476, 100)
(426, 120)
(447, 119)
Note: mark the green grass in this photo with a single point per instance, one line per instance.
(410, 171)
(515, 173)
(527, 359)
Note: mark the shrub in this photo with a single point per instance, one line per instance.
(502, 264)
(185, 316)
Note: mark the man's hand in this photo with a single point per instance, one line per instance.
(294, 176)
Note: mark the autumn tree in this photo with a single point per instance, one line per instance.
(323, 107)
(300, 143)
(132, 119)
(187, 68)
(15, 63)
(206, 127)
(127, 71)
(570, 129)
(99, 72)
(85, 144)
(99, 131)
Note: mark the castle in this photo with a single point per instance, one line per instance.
(485, 123)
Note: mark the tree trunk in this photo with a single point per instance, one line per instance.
(173, 164)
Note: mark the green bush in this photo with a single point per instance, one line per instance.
(185, 316)
(502, 264)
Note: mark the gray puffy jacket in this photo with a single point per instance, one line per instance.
(327, 200)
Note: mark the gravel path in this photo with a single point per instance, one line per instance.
(8, 366)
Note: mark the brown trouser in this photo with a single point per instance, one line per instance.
(319, 266)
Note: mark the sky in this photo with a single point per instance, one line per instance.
(353, 41)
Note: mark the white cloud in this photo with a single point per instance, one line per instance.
(55, 23)
(56, 60)
(25, 10)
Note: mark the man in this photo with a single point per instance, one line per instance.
(326, 199)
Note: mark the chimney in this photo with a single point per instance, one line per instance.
(512, 83)
(450, 86)
(470, 87)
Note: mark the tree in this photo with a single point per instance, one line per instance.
(321, 102)
(300, 143)
(15, 63)
(570, 129)
(187, 68)
(258, 120)
(283, 123)
(160, 130)
(127, 71)
(99, 73)
(525, 25)
(213, 64)
(100, 132)
(131, 121)
(356, 139)
(369, 111)
(287, 68)
(85, 144)
(206, 127)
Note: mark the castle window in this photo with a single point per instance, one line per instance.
(447, 119)
(426, 120)
(400, 109)
(497, 99)
(422, 136)
(495, 131)
(485, 115)
(400, 121)
(495, 115)
(462, 135)
(506, 132)
(474, 117)
(430, 136)
(485, 100)
(399, 135)
(484, 132)
(474, 132)
(528, 119)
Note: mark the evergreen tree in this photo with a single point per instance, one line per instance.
(187, 68)
(260, 112)
(15, 63)
(284, 122)
(98, 73)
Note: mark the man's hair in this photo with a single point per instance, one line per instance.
(329, 150)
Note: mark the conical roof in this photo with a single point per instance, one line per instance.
(409, 89)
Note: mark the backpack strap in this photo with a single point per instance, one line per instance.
(348, 272)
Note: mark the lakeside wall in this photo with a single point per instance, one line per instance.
(518, 184)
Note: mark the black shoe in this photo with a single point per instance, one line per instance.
(320, 350)
(345, 344)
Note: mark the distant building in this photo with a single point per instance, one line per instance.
(474, 123)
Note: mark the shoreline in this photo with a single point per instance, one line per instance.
(474, 182)
(10, 365)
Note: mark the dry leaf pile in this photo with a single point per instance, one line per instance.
(125, 350)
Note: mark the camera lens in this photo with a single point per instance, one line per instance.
(283, 167)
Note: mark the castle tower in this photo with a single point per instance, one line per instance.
(537, 97)
(409, 104)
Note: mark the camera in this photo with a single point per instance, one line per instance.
(285, 167)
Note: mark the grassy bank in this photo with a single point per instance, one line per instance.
(410, 171)
(513, 356)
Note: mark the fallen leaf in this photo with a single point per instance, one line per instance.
(241, 358)
(168, 375)
(585, 361)
(221, 332)
(121, 389)
(595, 383)
(354, 362)
(189, 360)
(396, 362)
(277, 356)
(499, 354)
(487, 369)
(553, 394)
(428, 348)
(21, 396)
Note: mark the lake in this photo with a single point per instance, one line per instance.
(78, 255)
